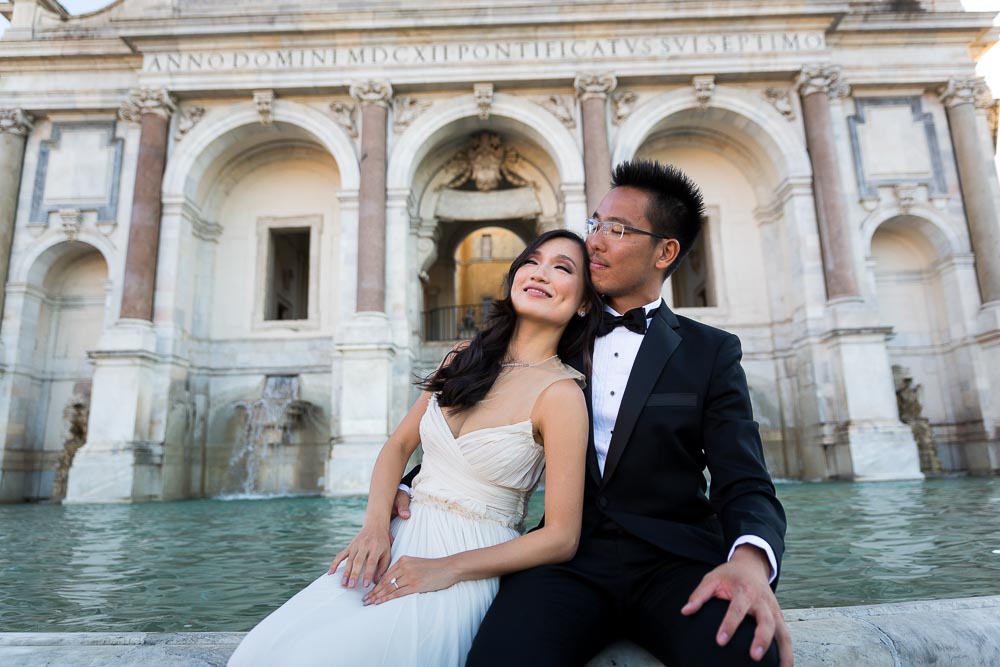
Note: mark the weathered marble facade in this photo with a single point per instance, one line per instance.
(154, 154)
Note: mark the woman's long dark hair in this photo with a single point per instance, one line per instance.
(468, 373)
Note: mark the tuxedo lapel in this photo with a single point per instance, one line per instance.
(658, 345)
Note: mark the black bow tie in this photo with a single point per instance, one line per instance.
(634, 320)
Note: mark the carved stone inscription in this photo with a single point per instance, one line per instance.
(570, 50)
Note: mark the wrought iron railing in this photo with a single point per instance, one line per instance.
(454, 322)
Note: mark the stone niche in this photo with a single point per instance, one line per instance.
(485, 183)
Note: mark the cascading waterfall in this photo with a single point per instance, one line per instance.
(270, 420)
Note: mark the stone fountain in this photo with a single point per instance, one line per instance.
(270, 423)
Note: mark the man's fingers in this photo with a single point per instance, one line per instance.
(401, 505)
(734, 616)
(762, 636)
(700, 596)
(784, 638)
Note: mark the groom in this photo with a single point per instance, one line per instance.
(685, 572)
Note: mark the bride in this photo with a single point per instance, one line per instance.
(498, 411)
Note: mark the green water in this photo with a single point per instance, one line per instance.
(217, 565)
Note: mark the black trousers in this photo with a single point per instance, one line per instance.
(617, 587)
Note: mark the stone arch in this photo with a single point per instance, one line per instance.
(732, 112)
(35, 264)
(220, 131)
(62, 308)
(532, 120)
(931, 226)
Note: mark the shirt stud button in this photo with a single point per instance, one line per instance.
(616, 354)
(612, 393)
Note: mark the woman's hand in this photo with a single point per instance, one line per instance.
(367, 556)
(412, 575)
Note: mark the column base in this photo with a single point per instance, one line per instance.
(875, 451)
(349, 468)
(116, 473)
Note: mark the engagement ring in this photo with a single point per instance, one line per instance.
(393, 582)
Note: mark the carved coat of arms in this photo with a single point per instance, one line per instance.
(487, 163)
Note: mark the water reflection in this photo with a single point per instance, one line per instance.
(222, 565)
(871, 543)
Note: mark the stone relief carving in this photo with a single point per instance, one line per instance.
(372, 92)
(147, 100)
(344, 115)
(592, 84)
(483, 93)
(16, 121)
(485, 162)
(558, 106)
(75, 416)
(906, 196)
(72, 220)
(622, 105)
(264, 101)
(822, 79)
(704, 90)
(781, 100)
(406, 110)
(187, 120)
(971, 90)
(908, 400)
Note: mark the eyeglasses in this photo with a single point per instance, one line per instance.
(616, 229)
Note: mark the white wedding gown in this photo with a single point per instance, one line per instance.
(472, 492)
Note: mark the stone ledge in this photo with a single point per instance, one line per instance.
(962, 632)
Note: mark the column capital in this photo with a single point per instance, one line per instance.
(969, 90)
(821, 78)
(372, 92)
(147, 100)
(16, 121)
(589, 85)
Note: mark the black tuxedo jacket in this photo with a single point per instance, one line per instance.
(686, 407)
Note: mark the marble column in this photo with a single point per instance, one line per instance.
(593, 90)
(816, 83)
(15, 124)
(373, 97)
(978, 178)
(152, 110)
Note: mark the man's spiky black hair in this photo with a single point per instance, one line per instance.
(676, 207)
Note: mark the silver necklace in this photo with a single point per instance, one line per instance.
(515, 364)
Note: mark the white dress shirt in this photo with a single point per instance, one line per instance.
(614, 356)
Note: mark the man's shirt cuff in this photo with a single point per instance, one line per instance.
(404, 487)
(760, 544)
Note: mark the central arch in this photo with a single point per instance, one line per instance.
(533, 121)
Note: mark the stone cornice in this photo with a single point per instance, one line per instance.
(372, 92)
(145, 18)
(15, 121)
(147, 100)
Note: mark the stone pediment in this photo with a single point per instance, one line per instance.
(470, 205)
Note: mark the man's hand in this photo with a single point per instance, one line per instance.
(743, 581)
(401, 506)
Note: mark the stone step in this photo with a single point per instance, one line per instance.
(963, 632)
